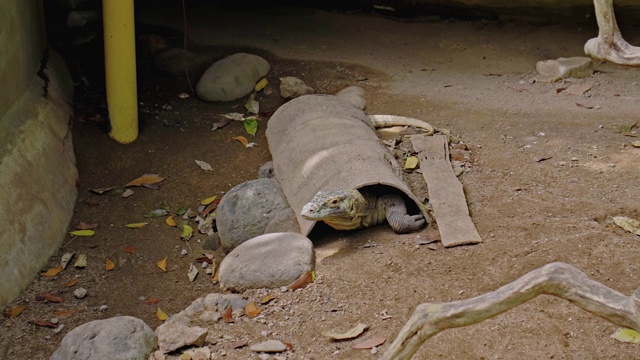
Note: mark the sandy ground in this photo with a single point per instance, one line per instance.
(473, 78)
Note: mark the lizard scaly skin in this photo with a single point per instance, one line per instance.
(352, 209)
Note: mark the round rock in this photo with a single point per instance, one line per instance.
(117, 338)
(232, 77)
(292, 87)
(245, 211)
(267, 261)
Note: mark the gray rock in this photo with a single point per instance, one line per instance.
(232, 77)
(122, 337)
(354, 95)
(292, 87)
(172, 61)
(283, 221)
(179, 331)
(561, 68)
(266, 171)
(269, 346)
(267, 261)
(245, 211)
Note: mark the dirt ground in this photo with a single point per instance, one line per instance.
(471, 77)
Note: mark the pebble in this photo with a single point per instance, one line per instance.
(80, 293)
(103, 308)
(269, 346)
(184, 252)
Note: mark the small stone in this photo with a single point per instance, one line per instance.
(103, 308)
(269, 346)
(58, 329)
(292, 87)
(184, 252)
(232, 77)
(562, 68)
(54, 320)
(80, 293)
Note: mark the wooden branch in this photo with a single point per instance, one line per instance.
(559, 279)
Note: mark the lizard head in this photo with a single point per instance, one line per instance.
(340, 205)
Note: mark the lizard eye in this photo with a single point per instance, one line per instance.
(334, 202)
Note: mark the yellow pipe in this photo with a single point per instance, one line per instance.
(120, 69)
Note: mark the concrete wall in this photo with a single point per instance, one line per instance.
(37, 164)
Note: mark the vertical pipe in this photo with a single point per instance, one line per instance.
(120, 69)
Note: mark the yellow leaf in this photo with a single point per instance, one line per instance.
(145, 179)
(136, 225)
(251, 310)
(261, 84)
(411, 162)
(169, 221)
(162, 316)
(187, 232)
(209, 200)
(267, 298)
(109, 264)
(627, 335)
(71, 283)
(82, 232)
(162, 264)
(53, 271)
(242, 140)
(16, 310)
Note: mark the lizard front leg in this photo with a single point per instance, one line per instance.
(396, 214)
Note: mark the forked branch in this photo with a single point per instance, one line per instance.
(558, 279)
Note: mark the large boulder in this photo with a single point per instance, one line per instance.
(117, 338)
(267, 261)
(232, 77)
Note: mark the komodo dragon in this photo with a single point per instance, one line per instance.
(354, 209)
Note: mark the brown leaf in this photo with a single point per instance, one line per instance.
(203, 259)
(238, 344)
(53, 298)
(130, 249)
(251, 310)
(52, 272)
(289, 346)
(145, 179)
(302, 282)
(43, 323)
(13, 311)
(267, 299)
(64, 313)
(227, 315)
(584, 106)
(152, 301)
(242, 140)
(371, 343)
(109, 264)
(86, 226)
(71, 283)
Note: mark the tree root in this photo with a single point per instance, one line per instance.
(558, 279)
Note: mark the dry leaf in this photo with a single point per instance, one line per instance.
(227, 315)
(193, 272)
(65, 313)
(71, 283)
(82, 232)
(267, 298)
(251, 310)
(109, 264)
(304, 280)
(162, 264)
(53, 298)
(371, 343)
(64, 260)
(629, 224)
(261, 84)
(81, 261)
(411, 163)
(145, 179)
(627, 335)
(209, 200)
(13, 311)
(53, 271)
(238, 344)
(352, 333)
(169, 221)
(204, 165)
(86, 226)
(216, 275)
(152, 301)
(242, 140)
(43, 323)
(161, 315)
(635, 143)
(130, 249)
(136, 225)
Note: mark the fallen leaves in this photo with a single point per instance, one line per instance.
(146, 179)
(109, 264)
(628, 224)
(349, 334)
(162, 264)
(370, 343)
(42, 323)
(87, 232)
(161, 315)
(227, 315)
(204, 165)
(13, 311)
(71, 283)
(304, 280)
(251, 125)
(136, 225)
(242, 140)
(209, 200)
(251, 310)
(169, 221)
(52, 272)
(130, 249)
(411, 163)
(627, 335)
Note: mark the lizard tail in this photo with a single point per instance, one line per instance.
(380, 121)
